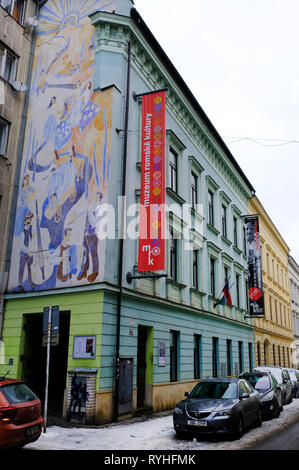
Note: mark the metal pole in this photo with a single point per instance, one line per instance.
(47, 368)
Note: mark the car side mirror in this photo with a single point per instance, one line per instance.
(244, 395)
(187, 394)
(285, 381)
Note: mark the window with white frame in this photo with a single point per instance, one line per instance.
(4, 131)
(8, 64)
(16, 8)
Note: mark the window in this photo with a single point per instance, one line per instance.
(197, 355)
(15, 8)
(244, 241)
(223, 218)
(258, 349)
(8, 64)
(229, 356)
(279, 356)
(235, 225)
(173, 256)
(238, 289)
(225, 274)
(174, 350)
(4, 131)
(194, 198)
(247, 296)
(274, 355)
(212, 277)
(241, 366)
(173, 162)
(270, 303)
(250, 356)
(268, 268)
(195, 269)
(215, 356)
(211, 207)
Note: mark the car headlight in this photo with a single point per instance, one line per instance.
(224, 413)
(178, 411)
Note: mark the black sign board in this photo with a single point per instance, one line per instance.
(54, 325)
(255, 282)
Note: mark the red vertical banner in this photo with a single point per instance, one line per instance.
(151, 254)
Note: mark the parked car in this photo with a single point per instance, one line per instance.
(283, 379)
(269, 390)
(294, 375)
(218, 406)
(20, 414)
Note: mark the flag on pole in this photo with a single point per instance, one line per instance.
(226, 297)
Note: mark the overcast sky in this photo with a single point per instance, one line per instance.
(240, 59)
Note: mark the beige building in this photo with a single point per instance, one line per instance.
(274, 335)
(16, 37)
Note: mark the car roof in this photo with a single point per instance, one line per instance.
(221, 379)
(254, 372)
(9, 381)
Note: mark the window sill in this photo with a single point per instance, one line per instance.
(226, 240)
(196, 291)
(237, 250)
(169, 280)
(213, 229)
(175, 196)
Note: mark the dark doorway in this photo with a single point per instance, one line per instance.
(35, 356)
(144, 368)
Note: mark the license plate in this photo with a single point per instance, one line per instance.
(31, 431)
(197, 423)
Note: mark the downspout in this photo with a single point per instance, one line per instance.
(39, 5)
(121, 241)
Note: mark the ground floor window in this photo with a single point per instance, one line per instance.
(174, 351)
(197, 356)
(215, 356)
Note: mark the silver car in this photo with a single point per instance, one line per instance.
(283, 378)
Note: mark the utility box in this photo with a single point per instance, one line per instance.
(125, 403)
(81, 396)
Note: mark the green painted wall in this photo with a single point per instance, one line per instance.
(85, 309)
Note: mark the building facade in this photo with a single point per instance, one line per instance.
(15, 47)
(294, 290)
(141, 342)
(274, 336)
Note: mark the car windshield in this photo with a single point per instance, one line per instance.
(18, 393)
(258, 382)
(215, 390)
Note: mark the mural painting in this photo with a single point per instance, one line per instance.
(66, 157)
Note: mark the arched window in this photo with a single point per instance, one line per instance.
(258, 347)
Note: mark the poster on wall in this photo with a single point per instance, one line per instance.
(162, 353)
(64, 175)
(84, 347)
(151, 253)
(255, 282)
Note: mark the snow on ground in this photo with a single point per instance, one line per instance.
(154, 433)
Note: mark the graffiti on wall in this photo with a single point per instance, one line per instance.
(66, 157)
(79, 397)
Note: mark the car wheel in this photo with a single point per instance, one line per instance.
(181, 435)
(291, 399)
(276, 410)
(239, 428)
(259, 419)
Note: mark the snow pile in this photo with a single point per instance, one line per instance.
(155, 433)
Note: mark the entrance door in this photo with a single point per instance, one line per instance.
(35, 356)
(144, 367)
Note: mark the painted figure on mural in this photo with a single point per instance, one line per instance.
(65, 256)
(26, 257)
(26, 193)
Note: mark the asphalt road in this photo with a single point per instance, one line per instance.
(285, 439)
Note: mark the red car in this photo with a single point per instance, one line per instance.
(20, 414)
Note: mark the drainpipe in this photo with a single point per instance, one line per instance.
(121, 241)
(39, 5)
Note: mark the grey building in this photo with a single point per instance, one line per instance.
(16, 37)
(294, 288)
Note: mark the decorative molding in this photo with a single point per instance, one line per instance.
(113, 33)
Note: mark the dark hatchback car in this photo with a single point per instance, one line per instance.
(269, 390)
(20, 414)
(283, 379)
(294, 376)
(218, 406)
